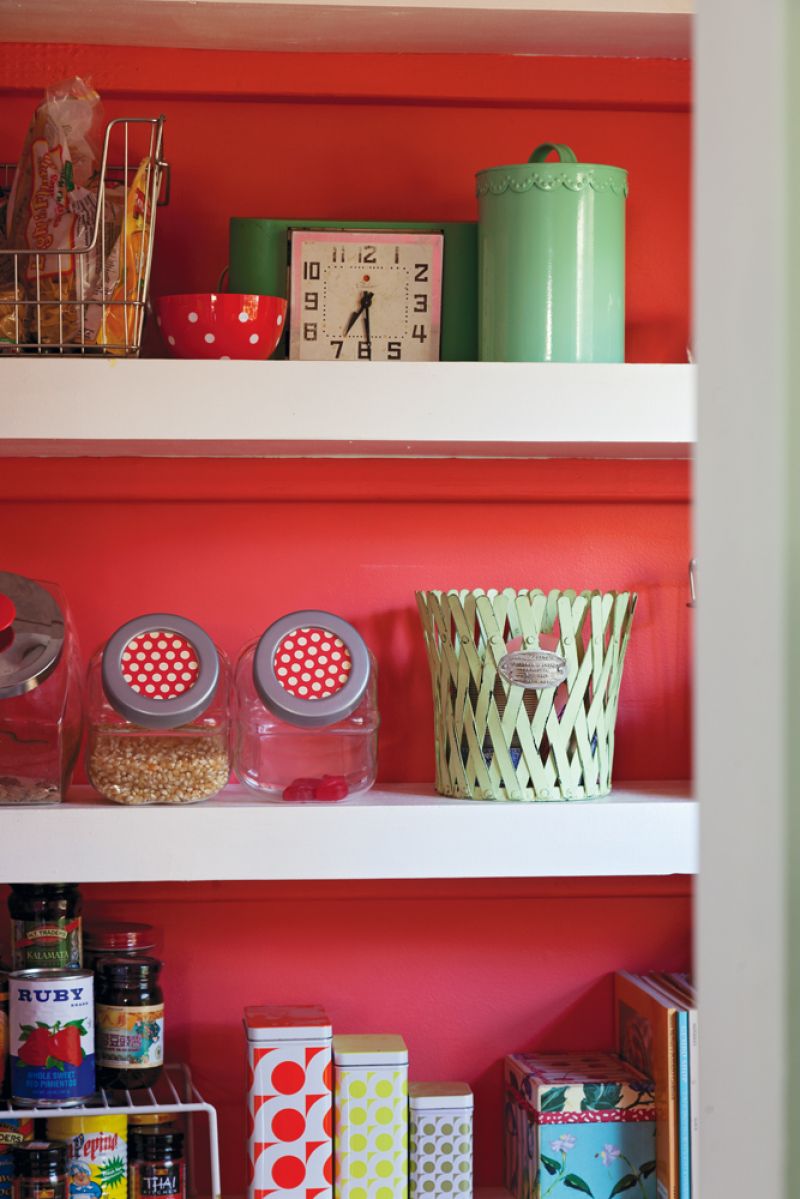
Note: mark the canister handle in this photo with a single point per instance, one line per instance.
(564, 153)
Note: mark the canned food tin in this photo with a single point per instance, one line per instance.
(12, 1133)
(97, 1154)
(51, 1037)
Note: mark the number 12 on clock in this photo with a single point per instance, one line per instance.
(365, 296)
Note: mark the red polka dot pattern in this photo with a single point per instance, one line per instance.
(288, 1125)
(312, 663)
(160, 665)
(288, 1078)
(288, 1172)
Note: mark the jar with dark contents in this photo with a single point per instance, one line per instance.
(157, 1166)
(118, 938)
(130, 1022)
(40, 1170)
(46, 926)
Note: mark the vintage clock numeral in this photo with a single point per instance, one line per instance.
(370, 295)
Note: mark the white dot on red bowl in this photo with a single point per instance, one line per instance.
(253, 339)
(193, 318)
(171, 341)
(280, 319)
(210, 338)
(244, 318)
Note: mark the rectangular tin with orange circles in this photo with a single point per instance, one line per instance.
(289, 1116)
(371, 1122)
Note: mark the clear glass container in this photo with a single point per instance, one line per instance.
(320, 745)
(40, 692)
(157, 708)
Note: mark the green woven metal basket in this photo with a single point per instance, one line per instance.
(502, 739)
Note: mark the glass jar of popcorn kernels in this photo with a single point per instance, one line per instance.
(158, 714)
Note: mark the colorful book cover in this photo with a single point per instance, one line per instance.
(681, 984)
(646, 1037)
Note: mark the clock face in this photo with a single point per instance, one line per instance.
(365, 296)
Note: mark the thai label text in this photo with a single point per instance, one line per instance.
(152, 1181)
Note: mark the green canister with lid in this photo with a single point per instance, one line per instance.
(551, 260)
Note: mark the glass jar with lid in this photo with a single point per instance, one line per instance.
(306, 710)
(158, 713)
(40, 692)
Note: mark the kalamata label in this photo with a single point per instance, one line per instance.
(533, 668)
(51, 1036)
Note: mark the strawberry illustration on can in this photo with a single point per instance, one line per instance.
(51, 1037)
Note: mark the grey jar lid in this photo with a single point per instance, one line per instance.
(32, 634)
(311, 668)
(160, 671)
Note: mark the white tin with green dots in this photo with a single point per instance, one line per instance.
(370, 1076)
(551, 260)
(440, 1116)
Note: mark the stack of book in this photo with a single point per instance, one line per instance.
(656, 1025)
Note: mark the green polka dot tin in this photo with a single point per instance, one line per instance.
(370, 1078)
(440, 1121)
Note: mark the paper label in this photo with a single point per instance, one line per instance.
(130, 1038)
(533, 668)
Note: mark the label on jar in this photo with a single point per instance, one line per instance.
(152, 1181)
(51, 1035)
(130, 1038)
(12, 1132)
(57, 944)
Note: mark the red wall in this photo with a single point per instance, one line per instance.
(466, 971)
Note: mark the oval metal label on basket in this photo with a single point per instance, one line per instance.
(533, 668)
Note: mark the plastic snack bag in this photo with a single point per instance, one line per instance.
(126, 268)
(53, 207)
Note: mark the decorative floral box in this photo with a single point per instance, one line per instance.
(578, 1124)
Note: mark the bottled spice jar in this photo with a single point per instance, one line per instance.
(130, 1022)
(158, 714)
(40, 692)
(118, 938)
(40, 1170)
(46, 926)
(157, 1167)
(306, 710)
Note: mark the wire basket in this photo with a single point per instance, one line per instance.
(92, 299)
(500, 735)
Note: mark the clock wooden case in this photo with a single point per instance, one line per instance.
(260, 259)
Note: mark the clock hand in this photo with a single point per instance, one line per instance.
(366, 300)
(367, 303)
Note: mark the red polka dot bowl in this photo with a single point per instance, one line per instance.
(221, 325)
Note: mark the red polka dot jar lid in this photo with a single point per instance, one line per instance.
(280, 1022)
(160, 671)
(311, 668)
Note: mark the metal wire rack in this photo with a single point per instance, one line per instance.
(175, 1093)
(92, 299)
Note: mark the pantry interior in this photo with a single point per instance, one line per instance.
(474, 955)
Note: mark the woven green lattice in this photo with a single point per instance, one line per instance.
(496, 740)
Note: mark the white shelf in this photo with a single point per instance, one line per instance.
(309, 409)
(396, 832)
(636, 28)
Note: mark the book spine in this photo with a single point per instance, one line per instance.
(694, 1100)
(684, 1118)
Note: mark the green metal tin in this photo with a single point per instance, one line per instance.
(551, 260)
(259, 264)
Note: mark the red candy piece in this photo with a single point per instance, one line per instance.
(332, 786)
(301, 789)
